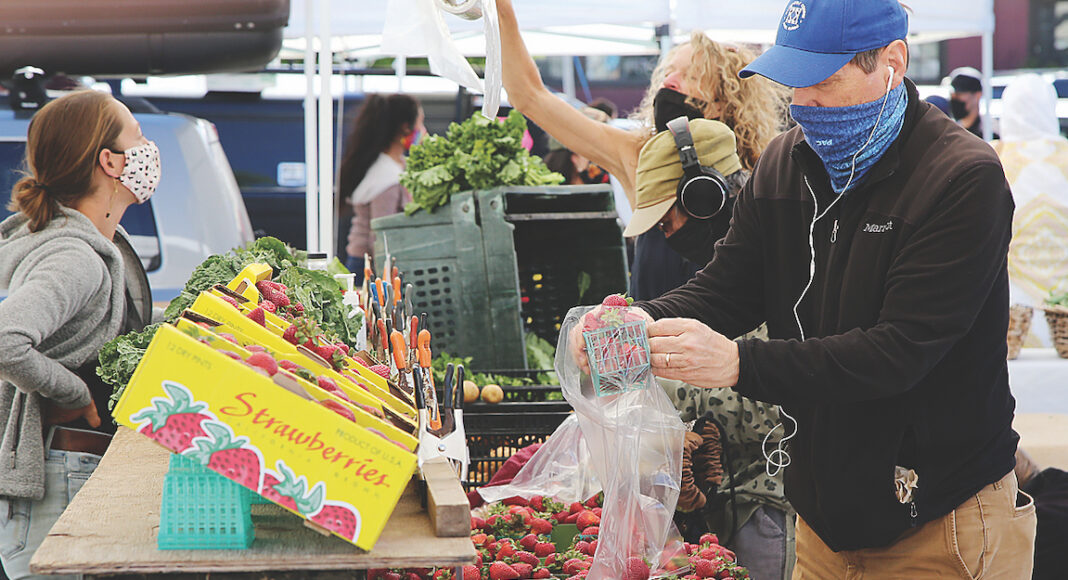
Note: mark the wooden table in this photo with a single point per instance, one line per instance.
(110, 528)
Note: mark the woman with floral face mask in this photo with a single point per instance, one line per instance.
(73, 283)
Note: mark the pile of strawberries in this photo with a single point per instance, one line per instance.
(513, 543)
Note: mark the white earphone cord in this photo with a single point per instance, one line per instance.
(779, 458)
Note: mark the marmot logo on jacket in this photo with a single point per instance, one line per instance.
(879, 228)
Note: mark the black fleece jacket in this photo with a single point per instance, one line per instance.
(902, 356)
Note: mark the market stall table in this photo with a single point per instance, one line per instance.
(110, 528)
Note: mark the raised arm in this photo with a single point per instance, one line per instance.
(613, 149)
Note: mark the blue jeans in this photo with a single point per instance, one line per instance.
(25, 523)
(355, 265)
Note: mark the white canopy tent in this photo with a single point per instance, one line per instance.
(562, 28)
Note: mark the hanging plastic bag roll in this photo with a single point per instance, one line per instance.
(418, 28)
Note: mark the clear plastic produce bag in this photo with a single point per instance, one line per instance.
(417, 28)
(634, 436)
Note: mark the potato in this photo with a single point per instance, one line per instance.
(492, 394)
(470, 392)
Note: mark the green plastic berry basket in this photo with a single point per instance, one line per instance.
(202, 510)
(619, 357)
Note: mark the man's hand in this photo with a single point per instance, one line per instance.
(56, 415)
(687, 350)
(577, 344)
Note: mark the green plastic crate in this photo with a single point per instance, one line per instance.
(202, 510)
(474, 261)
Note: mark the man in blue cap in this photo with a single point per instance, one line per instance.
(872, 238)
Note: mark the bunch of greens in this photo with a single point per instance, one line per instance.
(322, 299)
(120, 357)
(221, 268)
(476, 154)
(540, 356)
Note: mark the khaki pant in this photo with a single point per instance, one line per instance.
(987, 536)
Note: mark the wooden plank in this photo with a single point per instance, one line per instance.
(111, 526)
(450, 512)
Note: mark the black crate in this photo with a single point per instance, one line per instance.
(496, 431)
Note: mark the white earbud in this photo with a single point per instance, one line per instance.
(890, 81)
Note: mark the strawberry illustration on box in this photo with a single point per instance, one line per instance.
(195, 400)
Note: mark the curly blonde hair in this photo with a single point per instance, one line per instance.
(754, 108)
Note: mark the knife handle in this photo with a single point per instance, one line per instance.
(396, 290)
(400, 354)
(424, 348)
(459, 403)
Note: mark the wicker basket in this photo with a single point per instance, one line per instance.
(1019, 325)
(1057, 318)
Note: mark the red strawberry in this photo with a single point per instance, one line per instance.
(583, 546)
(472, 573)
(442, 574)
(587, 519)
(506, 551)
(540, 526)
(614, 300)
(478, 539)
(591, 531)
(228, 337)
(265, 286)
(176, 421)
(636, 569)
(572, 566)
(288, 365)
(523, 569)
(290, 334)
(593, 548)
(709, 539)
(502, 571)
(381, 370)
(538, 573)
(338, 518)
(543, 549)
(528, 558)
(278, 297)
(229, 300)
(231, 354)
(477, 523)
(339, 409)
(296, 309)
(268, 306)
(552, 559)
(595, 500)
(256, 315)
(327, 384)
(576, 507)
(515, 500)
(229, 456)
(704, 568)
(528, 542)
(343, 348)
(263, 361)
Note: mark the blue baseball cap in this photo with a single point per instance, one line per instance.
(818, 37)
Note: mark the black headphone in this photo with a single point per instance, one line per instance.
(702, 192)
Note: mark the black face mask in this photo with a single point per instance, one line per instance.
(696, 240)
(668, 105)
(958, 108)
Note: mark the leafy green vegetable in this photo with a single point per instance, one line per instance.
(541, 354)
(584, 281)
(1057, 299)
(221, 268)
(476, 154)
(322, 299)
(120, 357)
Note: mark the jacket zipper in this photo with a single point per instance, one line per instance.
(834, 231)
(912, 513)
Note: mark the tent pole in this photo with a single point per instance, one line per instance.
(311, 193)
(988, 68)
(327, 215)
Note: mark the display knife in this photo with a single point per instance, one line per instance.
(447, 420)
(400, 356)
(420, 401)
(381, 346)
(413, 335)
(430, 396)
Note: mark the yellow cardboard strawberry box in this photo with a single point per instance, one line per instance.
(199, 402)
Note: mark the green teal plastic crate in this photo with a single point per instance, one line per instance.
(202, 510)
(494, 264)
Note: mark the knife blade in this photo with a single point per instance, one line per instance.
(429, 393)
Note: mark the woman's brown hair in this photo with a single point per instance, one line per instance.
(62, 146)
(755, 109)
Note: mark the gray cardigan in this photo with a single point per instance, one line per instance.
(65, 300)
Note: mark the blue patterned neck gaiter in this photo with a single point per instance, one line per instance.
(837, 134)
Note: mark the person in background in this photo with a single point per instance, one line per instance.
(697, 79)
(941, 103)
(1035, 157)
(74, 282)
(385, 129)
(964, 101)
